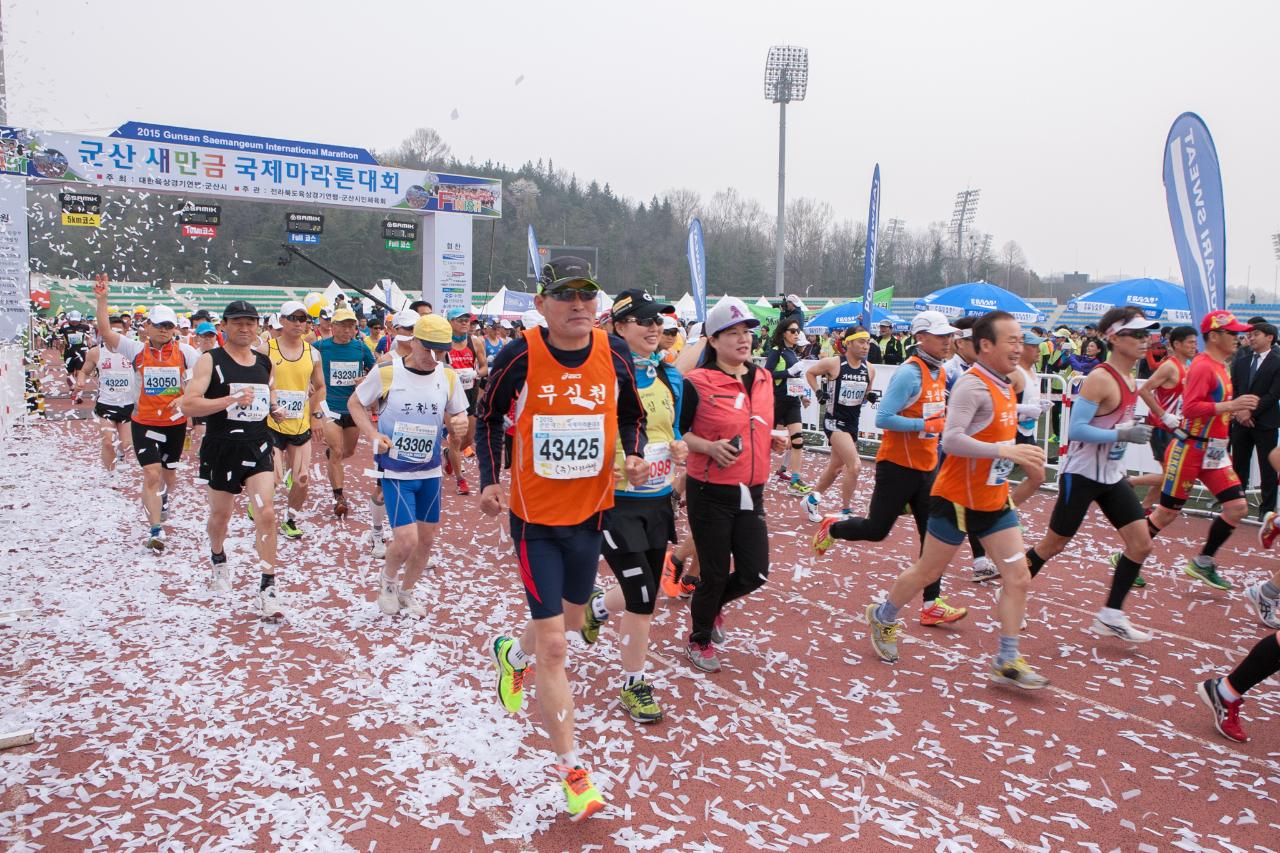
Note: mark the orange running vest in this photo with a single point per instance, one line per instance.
(917, 450)
(566, 426)
(983, 484)
(161, 378)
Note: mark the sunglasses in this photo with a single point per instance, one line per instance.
(1137, 334)
(296, 318)
(791, 331)
(568, 294)
(166, 326)
(645, 323)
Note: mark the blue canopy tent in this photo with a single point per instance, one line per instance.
(1158, 299)
(978, 297)
(850, 314)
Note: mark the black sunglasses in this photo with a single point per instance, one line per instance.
(1137, 334)
(296, 318)
(165, 326)
(568, 294)
(646, 323)
(794, 330)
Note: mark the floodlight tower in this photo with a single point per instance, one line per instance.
(962, 216)
(786, 79)
(1275, 288)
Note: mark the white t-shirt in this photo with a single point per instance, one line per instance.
(129, 348)
(424, 387)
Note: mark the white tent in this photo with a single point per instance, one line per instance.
(398, 300)
(606, 303)
(763, 302)
(493, 308)
(686, 308)
(831, 303)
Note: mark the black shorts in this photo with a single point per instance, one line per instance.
(473, 396)
(635, 525)
(226, 463)
(74, 361)
(158, 445)
(1160, 439)
(1118, 502)
(344, 421)
(282, 442)
(115, 414)
(1024, 439)
(786, 410)
(832, 424)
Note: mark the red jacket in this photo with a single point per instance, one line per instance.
(724, 411)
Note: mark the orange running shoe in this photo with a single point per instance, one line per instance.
(469, 452)
(670, 578)
(823, 540)
(940, 613)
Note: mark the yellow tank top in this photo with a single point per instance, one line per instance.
(659, 427)
(293, 387)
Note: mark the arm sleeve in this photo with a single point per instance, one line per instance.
(510, 367)
(630, 409)
(904, 389)
(969, 399)
(1195, 398)
(688, 406)
(1082, 411)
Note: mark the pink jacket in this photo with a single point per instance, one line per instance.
(725, 410)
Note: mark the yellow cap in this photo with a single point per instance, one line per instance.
(343, 314)
(857, 335)
(434, 331)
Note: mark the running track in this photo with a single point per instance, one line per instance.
(168, 718)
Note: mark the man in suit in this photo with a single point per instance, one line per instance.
(1256, 370)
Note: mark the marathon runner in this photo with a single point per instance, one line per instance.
(783, 363)
(642, 520)
(848, 382)
(344, 360)
(300, 390)
(575, 396)
(911, 416)
(1204, 455)
(74, 339)
(1093, 472)
(231, 388)
(493, 340)
(467, 358)
(158, 425)
(971, 493)
(117, 394)
(1224, 696)
(1162, 393)
(399, 344)
(412, 397)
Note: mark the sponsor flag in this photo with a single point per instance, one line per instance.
(883, 297)
(1193, 190)
(534, 264)
(698, 269)
(869, 268)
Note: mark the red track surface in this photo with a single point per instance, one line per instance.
(169, 718)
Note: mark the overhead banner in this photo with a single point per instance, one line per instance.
(869, 266)
(1193, 190)
(15, 277)
(698, 269)
(258, 172)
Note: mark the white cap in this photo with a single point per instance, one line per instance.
(532, 318)
(1136, 322)
(292, 307)
(506, 324)
(405, 319)
(729, 311)
(184, 322)
(795, 300)
(669, 323)
(274, 322)
(74, 316)
(162, 314)
(933, 322)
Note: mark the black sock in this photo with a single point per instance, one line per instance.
(1219, 532)
(1034, 562)
(267, 580)
(1262, 662)
(219, 558)
(337, 493)
(1121, 580)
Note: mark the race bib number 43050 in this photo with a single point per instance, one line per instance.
(161, 381)
(568, 447)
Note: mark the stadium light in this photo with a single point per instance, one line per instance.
(786, 79)
(962, 216)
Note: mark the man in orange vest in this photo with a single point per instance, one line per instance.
(575, 397)
(971, 494)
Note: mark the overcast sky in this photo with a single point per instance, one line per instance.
(1058, 112)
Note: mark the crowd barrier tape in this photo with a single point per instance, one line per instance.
(13, 385)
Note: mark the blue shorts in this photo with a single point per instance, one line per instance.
(557, 564)
(951, 523)
(411, 500)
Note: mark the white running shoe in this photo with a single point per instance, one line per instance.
(984, 569)
(1268, 609)
(389, 596)
(377, 543)
(1123, 630)
(811, 503)
(221, 579)
(411, 605)
(270, 602)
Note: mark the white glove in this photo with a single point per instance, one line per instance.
(1170, 420)
(1045, 404)
(1028, 411)
(795, 369)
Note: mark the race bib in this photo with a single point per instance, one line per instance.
(1215, 454)
(294, 403)
(795, 386)
(658, 457)
(75, 339)
(344, 374)
(1000, 470)
(255, 411)
(851, 393)
(413, 443)
(1116, 453)
(568, 447)
(161, 381)
(466, 378)
(931, 410)
(116, 381)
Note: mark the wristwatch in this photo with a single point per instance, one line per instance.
(318, 415)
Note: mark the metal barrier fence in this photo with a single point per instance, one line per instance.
(13, 386)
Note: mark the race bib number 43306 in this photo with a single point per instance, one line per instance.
(568, 447)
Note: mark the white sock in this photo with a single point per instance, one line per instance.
(630, 678)
(570, 759)
(515, 655)
(926, 605)
(377, 514)
(1226, 691)
(598, 609)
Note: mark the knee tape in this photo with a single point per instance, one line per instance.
(797, 442)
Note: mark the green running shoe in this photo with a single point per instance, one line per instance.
(1209, 574)
(1138, 583)
(510, 679)
(591, 623)
(581, 798)
(290, 529)
(637, 699)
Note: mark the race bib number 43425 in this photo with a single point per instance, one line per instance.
(568, 447)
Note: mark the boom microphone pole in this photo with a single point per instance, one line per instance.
(295, 251)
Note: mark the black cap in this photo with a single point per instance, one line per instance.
(419, 303)
(202, 314)
(565, 270)
(237, 309)
(635, 303)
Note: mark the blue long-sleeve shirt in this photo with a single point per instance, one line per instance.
(904, 389)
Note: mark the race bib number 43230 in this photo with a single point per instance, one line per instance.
(568, 447)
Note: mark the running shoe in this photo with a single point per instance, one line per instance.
(1226, 715)
(269, 603)
(703, 656)
(782, 475)
(811, 504)
(688, 584)
(823, 540)
(940, 613)
(1267, 532)
(388, 596)
(290, 529)
(984, 569)
(410, 604)
(581, 798)
(155, 540)
(883, 635)
(1139, 582)
(510, 680)
(376, 543)
(717, 631)
(220, 581)
(448, 466)
(1018, 673)
(637, 699)
(670, 580)
(463, 488)
(798, 489)
(591, 623)
(340, 506)
(1268, 609)
(1122, 630)
(1207, 573)
(164, 507)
